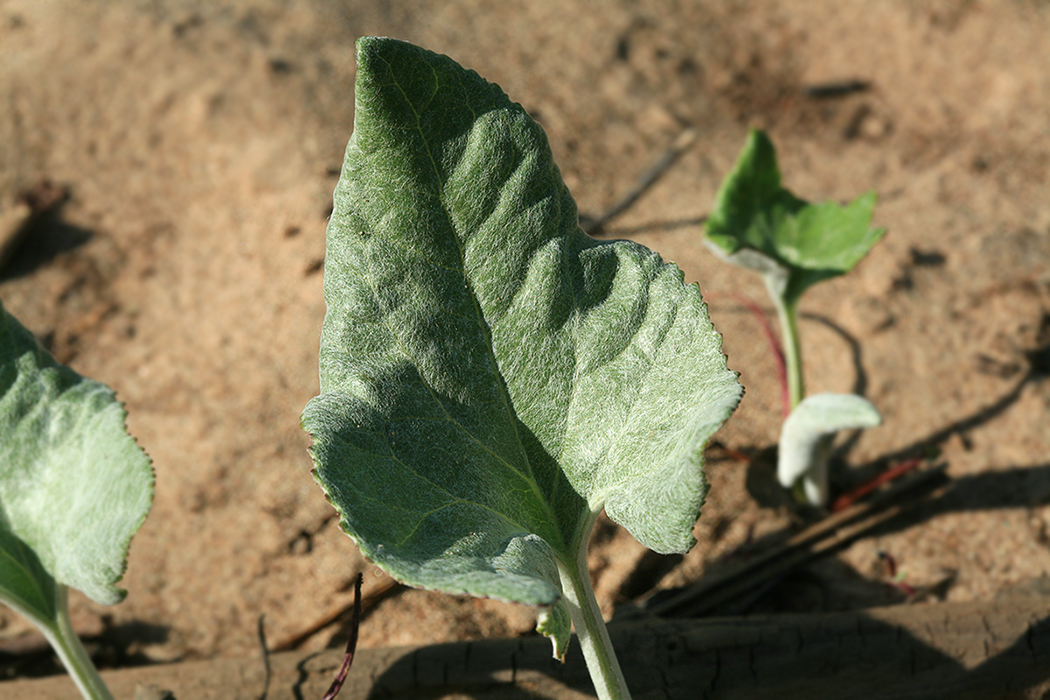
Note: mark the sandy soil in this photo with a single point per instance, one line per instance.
(200, 143)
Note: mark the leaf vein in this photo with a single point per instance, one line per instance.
(530, 476)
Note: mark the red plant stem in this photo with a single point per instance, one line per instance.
(351, 644)
(891, 563)
(849, 498)
(891, 569)
(730, 452)
(771, 338)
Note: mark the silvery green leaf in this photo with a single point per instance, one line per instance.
(807, 434)
(490, 376)
(74, 486)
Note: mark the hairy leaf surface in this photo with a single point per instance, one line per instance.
(74, 486)
(490, 376)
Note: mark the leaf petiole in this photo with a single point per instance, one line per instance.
(787, 313)
(597, 648)
(59, 633)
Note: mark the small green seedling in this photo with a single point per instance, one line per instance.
(758, 224)
(491, 377)
(74, 488)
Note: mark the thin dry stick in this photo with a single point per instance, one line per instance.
(649, 178)
(813, 542)
(294, 641)
(851, 497)
(375, 594)
(351, 644)
(265, 657)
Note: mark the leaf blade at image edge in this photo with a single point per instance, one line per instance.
(74, 486)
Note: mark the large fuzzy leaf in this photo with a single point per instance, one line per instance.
(74, 486)
(490, 376)
(758, 223)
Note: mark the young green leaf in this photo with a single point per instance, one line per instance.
(490, 376)
(759, 224)
(74, 486)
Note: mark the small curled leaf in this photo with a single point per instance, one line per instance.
(807, 434)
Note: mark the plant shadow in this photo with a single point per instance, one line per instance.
(43, 235)
(117, 646)
(775, 571)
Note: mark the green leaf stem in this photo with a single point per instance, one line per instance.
(758, 224)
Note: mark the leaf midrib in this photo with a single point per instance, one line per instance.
(22, 565)
(530, 477)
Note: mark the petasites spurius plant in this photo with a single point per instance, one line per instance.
(491, 377)
(759, 224)
(74, 488)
